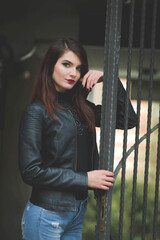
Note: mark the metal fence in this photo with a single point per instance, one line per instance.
(107, 141)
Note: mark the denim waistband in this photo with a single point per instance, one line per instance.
(82, 202)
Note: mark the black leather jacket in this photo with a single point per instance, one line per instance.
(47, 153)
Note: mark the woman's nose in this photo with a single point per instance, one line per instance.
(73, 72)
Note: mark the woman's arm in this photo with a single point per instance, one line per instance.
(32, 168)
(89, 80)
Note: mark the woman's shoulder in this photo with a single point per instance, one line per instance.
(35, 107)
(32, 117)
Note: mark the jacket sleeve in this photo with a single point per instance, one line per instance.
(132, 117)
(31, 164)
(121, 97)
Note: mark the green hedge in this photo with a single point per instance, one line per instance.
(90, 218)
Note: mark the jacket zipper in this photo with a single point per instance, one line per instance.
(92, 153)
(76, 154)
(76, 139)
(93, 147)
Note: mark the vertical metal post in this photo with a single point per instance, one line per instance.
(142, 35)
(126, 119)
(157, 185)
(154, 17)
(109, 105)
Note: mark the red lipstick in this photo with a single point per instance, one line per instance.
(70, 81)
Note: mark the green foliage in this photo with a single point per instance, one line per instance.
(90, 218)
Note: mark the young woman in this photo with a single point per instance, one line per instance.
(58, 154)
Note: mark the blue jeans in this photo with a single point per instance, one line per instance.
(41, 224)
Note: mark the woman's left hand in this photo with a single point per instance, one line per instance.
(91, 78)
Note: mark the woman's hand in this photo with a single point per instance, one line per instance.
(91, 78)
(101, 179)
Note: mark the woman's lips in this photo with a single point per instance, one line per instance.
(70, 81)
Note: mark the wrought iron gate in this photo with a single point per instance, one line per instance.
(112, 48)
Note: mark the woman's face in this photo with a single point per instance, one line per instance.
(67, 71)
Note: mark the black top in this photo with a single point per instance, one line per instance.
(83, 140)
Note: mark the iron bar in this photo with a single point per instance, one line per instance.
(142, 34)
(154, 16)
(126, 119)
(119, 166)
(109, 105)
(157, 186)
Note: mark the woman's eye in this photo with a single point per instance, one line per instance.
(79, 69)
(66, 64)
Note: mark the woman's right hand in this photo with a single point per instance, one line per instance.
(101, 179)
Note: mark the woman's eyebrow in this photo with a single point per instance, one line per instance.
(65, 60)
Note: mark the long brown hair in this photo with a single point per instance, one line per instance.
(44, 88)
